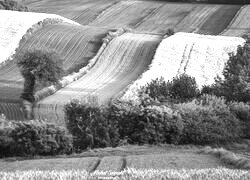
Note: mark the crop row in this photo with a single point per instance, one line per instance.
(206, 174)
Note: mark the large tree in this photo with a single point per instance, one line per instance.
(38, 67)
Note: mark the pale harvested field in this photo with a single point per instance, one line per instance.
(121, 63)
(199, 56)
(14, 26)
(241, 23)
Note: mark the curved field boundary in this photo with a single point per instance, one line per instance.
(16, 26)
(75, 44)
(123, 60)
(200, 56)
(240, 25)
(77, 75)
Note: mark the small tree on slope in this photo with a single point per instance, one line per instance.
(38, 67)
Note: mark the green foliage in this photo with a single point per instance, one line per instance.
(90, 126)
(242, 112)
(156, 89)
(235, 86)
(38, 67)
(150, 125)
(183, 88)
(33, 138)
(208, 120)
(12, 5)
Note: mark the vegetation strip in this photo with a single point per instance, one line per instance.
(228, 157)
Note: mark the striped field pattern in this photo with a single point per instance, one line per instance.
(14, 26)
(240, 24)
(121, 63)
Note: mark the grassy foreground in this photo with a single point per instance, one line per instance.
(205, 174)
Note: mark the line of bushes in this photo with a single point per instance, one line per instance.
(206, 120)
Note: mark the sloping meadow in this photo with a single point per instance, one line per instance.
(15, 25)
(200, 56)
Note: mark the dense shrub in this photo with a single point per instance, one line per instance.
(151, 124)
(181, 89)
(156, 89)
(208, 120)
(38, 67)
(107, 126)
(242, 112)
(33, 138)
(91, 126)
(12, 5)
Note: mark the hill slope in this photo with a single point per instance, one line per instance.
(121, 63)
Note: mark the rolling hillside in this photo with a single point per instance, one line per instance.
(200, 56)
(122, 62)
(77, 45)
(14, 26)
(143, 16)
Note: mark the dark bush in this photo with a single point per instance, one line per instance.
(242, 112)
(12, 5)
(156, 89)
(183, 88)
(34, 138)
(150, 125)
(39, 68)
(91, 126)
(236, 82)
(208, 120)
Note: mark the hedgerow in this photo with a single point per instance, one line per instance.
(33, 138)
